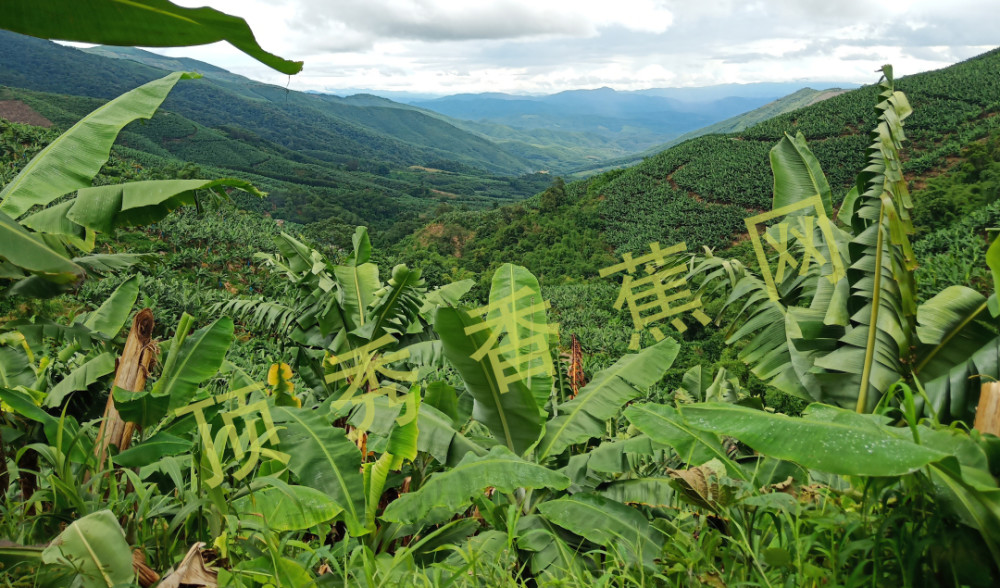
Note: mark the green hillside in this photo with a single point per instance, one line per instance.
(700, 191)
(327, 129)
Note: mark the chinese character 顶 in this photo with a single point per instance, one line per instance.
(246, 412)
(803, 229)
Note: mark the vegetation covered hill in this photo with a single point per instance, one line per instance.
(292, 413)
(700, 191)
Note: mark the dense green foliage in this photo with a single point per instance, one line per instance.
(361, 425)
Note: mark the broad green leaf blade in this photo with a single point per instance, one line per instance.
(948, 330)
(606, 522)
(110, 317)
(447, 493)
(29, 253)
(395, 306)
(797, 175)
(104, 208)
(287, 508)
(508, 281)
(357, 287)
(665, 426)
(95, 547)
(375, 474)
(143, 23)
(512, 415)
(652, 492)
(322, 457)
(80, 378)
(585, 416)
(74, 158)
(152, 450)
(198, 359)
(551, 556)
(827, 439)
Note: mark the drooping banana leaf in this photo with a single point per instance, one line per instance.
(80, 378)
(30, 253)
(110, 316)
(145, 23)
(447, 493)
(664, 425)
(286, 507)
(95, 547)
(825, 438)
(69, 162)
(104, 208)
(585, 416)
(951, 335)
(619, 528)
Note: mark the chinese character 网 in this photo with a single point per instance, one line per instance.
(803, 228)
(524, 351)
(255, 443)
(661, 294)
(364, 365)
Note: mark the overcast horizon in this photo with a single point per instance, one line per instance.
(439, 47)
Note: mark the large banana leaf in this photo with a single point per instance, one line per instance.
(447, 493)
(110, 316)
(695, 446)
(28, 252)
(551, 555)
(103, 208)
(510, 282)
(145, 23)
(826, 438)
(95, 547)
(69, 162)
(322, 457)
(586, 415)
(357, 287)
(797, 175)
(152, 450)
(80, 378)
(605, 522)
(193, 359)
(286, 507)
(512, 415)
(950, 333)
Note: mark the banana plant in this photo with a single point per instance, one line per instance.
(845, 337)
(954, 464)
(45, 247)
(518, 461)
(341, 317)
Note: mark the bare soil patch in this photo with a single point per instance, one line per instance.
(19, 112)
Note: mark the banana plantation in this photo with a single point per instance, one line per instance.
(193, 396)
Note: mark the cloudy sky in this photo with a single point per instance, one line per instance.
(543, 46)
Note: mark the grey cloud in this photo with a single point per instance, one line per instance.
(426, 20)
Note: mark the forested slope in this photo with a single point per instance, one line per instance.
(700, 191)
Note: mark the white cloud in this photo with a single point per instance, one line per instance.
(450, 46)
